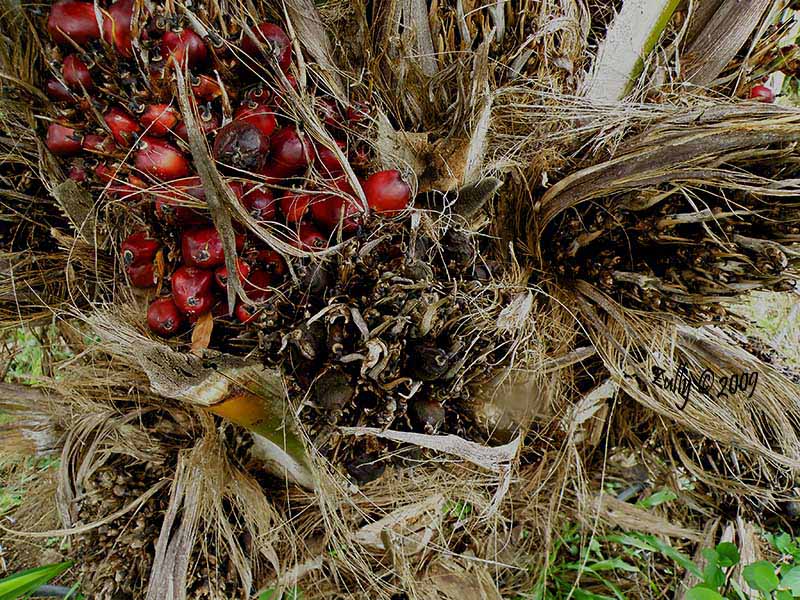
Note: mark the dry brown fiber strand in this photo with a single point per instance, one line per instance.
(236, 530)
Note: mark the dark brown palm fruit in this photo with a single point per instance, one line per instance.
(163, 317)
(139, 248)
(241, 145)
(160, 159)
(76, 74)
(459, 248)
(272, 40)
(142, 276)
(366, 468)
(333, 390)
(202, 248)
(71, 21)
(191, 290)
(428, 363)
(427, 414)
(62, 140)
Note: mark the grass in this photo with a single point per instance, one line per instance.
(776, 318)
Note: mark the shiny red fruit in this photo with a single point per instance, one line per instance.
(271, 261)
(357, 112)
(142, 276)
(331, 210)
(184, 45)
(258, 115)
(163, 317)
(160, 159)
(159, 119)
(257, 285)
(117, 27)
(123, 126)
(260, 203)
(171, 203)
(221, 273)
(57, 91)
(104, 173)
(259, 95)
(100, 144)
(205, 87)
(241, 145)
(207, 121)
(191, 290)
(327, 163)
(62, 140)
(294, 205)
(386, 192)
(139, 248)
(274, 42)
(74, 21)
(291, 151)
(202, 248)
(76, 73)
(310, 238)
(762, 93)
(245, 312)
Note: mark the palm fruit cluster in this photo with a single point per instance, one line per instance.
(376, 333)
(121, 133)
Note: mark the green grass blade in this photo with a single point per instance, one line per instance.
(19, 584)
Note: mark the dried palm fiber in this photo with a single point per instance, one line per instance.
(488, 101)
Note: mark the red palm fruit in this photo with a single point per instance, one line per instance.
(259, 202)
(330, 210)
(57, 91)
(100, 144)
(202, 248)
(386, 192)
(221, 273)
(272, 262)
(139, 248)
(208, 122)
(191, 290)
(62, 140)
(272, 172)
(274, 42)
(163, 317)
(205, 87)
(74, 21)
(117, 27)
(310, 238)
(290, 150)
(159, 119)
(104, 173)
(160, 159)
(257, 285)
(357, 112)
(123, 126)
(77, 173)
(328, 112)
(245, 312)
(241, 145)
(762, 93)
(142, 276)
(76, 73)
(327, 162)
(259, 95)
(184, 45)
(258, 115)
(294, 205)
(170, 204)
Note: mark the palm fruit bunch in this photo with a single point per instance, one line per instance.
(364, 327)
(122, 134)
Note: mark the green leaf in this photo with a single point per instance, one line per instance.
(728, 554)
(783, 595)
(713, 576)
(761, 576)
(791, 581)
(610, 564)
(659, 497)
(20, 584)
(711, 556)
(702, 593)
